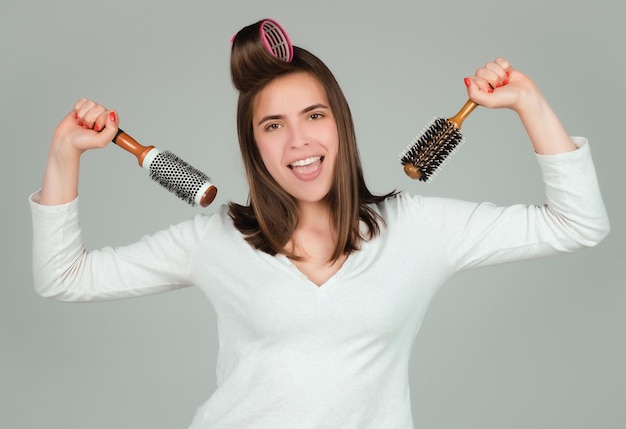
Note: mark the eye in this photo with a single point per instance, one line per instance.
(315, 116)
(272, 126)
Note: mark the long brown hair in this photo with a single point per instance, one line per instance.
(271, 215)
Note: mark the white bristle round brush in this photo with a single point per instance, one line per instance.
(171, 172)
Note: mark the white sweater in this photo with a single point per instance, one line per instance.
(295, 355)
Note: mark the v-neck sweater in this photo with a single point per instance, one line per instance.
(296, 355)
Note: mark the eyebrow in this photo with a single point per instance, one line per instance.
(303, 111)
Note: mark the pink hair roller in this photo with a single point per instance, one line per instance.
(275, 39)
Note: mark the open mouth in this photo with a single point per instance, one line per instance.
(307, 169)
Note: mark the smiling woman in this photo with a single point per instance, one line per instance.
(289, 112)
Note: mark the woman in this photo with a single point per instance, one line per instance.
(319, 286)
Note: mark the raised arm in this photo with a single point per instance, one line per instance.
(63, 268)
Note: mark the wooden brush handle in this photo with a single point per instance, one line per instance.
(131, 145)
(458, 119)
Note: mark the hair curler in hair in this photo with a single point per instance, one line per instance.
(171, 172)
(259, 52)
(276, 39)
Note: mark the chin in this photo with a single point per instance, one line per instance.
(311, 198)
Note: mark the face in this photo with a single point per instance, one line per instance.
(296, 135)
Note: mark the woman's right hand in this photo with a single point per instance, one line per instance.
(88, 126)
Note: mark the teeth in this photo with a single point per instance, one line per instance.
(304, 162)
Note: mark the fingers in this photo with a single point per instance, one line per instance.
(492, 75)
(497, 85)
(91, 115)
(88, 125)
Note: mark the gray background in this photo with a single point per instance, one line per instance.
(535, 344)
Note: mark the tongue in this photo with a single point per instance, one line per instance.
(307, 172)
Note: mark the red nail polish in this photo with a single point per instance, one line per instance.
(95, 127)
(112, 116)
(80, 123)
(490, 90)
(505, 82)
(467, 81)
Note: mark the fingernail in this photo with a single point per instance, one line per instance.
(467, 81)
(112, 116)
(490, 90)
(75, 115)
(80, 123)
(505, 82)
(95, 127)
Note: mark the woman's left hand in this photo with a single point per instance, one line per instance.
(498, 85)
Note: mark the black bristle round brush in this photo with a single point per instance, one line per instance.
(188, 183)
(430, 150)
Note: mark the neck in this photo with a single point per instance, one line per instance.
(314, 237)
(314, 215)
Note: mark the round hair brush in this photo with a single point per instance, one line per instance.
(171, 172)
(430, 150)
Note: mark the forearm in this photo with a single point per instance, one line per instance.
(60, 183)
(545, 130)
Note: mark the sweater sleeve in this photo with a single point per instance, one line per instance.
(65, 270)
(572, 217)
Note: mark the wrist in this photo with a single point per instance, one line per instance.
(530, 103)
(62, 152)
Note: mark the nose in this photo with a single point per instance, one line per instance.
(298, 136)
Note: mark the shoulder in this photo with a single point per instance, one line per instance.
(400, 204)
(214, 222)
(203, 227)
(405, 207)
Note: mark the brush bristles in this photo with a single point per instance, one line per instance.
(177, 176)
(429, 151)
